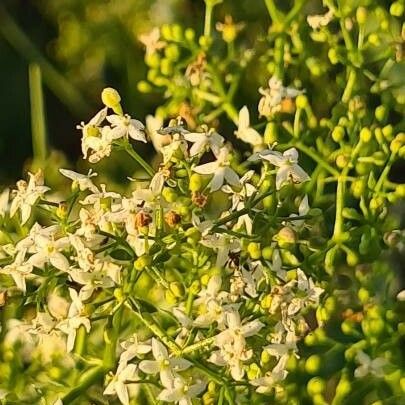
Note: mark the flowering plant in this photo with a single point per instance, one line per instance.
(220, 276)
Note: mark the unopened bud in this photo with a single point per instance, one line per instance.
(172, 219)
(110, 97)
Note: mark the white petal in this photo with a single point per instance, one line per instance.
(207, 168)
(149, 366)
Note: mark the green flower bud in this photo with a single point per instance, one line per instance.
(142, 262)
(352, 259)
(196, 182)
(313, 364)
(254, 250)
(388, 131)
(267, 252)
(333, 56)
(265, 303)
(271, 133)
(330, 304)
(172, 52)
(338, 133)
(212, 387)
(365, 135)
(343, 388)
(166, 32)
(153, 60)
(286, 237)
(342, 160)
(166, 67)
(119, 294)
(310, 340)
(397, 9)
(253, 371)
(265, 357)
(397, 143)
(110, 97)
(189, 34)
(316, 385)
(170, 297)
(205, 41)
(381, 113)
(301, 101)
(363, 295)
(195, 287)
(177, 289)
(374, 39)
(177, 32)
(348, 327)
(291, 274)
(144, 87)
(361, 15)
(169, 194)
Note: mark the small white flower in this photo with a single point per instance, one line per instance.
(273, 96)
(83, 181)
(47, 250)
(220, 169)
(203, 141)
(18, 270)
(153, 124)
(271, 378)
(163, 364)
(181, 392)
(287, 164)
(125, 126)
(92, 127)
(369, 366)
(125, 374)
(152, 41)
(4, 202)
(223, 244)
(245, 132)
(133, 348)
(27, 195)
(320, 20)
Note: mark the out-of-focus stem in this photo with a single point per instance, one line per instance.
(38, 127)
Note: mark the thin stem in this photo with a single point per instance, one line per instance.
(38, 127)
(340, 191)
(317, 158)
(148, 169)
(208, 17)
(199, 345)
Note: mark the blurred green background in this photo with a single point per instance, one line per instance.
(81, 47)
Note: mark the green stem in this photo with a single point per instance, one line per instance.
(38, 127)
(274, 13)
(340, 191)
(89, 378)
(347, 93)
(384, 173)
(208, 17)
(148, 169)
(153, 327)
(199, 345)
(317, 158)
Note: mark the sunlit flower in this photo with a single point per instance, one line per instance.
(163, 364)
(27, 194)
(369, 366)
(320, 20)
(203, 141)
(245, 132)
(19, 270)
(181, 392)
(125, 374)
(152, 41)
(287, 164)
(125, 126)
(82, 181)
(220, 169)
(133, 348)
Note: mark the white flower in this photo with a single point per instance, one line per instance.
(124, 126)
(153, 124)
(133, 348)
(100, 145)
(181, 392)
(273, 96)
(245, 132)
(126, 373)
(203, 141)
(320, 20)
(76, 318)
(91, 129)
(83, 181)
(288, 168)
(47, 250)
(266, 383)
(238, 200)
(27, 195)
(237, 332)
(4, 205)
(18, 270)
(223, 243)
(167, 367)
(151, 41)
(368, 366)
(220, 169)
(177, 145)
